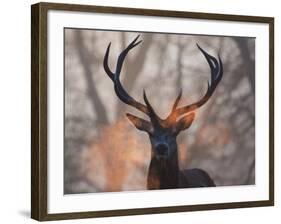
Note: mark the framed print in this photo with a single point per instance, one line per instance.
(138, 111)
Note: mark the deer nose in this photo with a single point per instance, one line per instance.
(162, 149)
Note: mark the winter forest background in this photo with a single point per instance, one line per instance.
(104, 152)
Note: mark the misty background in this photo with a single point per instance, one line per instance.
(104, 152)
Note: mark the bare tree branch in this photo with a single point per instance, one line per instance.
(248, 62)
(93, 95)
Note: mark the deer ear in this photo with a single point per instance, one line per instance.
(140, 123)
(184, 122)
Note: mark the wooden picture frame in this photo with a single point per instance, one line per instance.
(40, 102)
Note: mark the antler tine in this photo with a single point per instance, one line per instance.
(177, 101)
(124, 53)
(216, 68)
(153, 116)
(172, 116)
(115, 77)
(105, 64)
(120, 58)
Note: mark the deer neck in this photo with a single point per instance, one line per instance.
(163, 174)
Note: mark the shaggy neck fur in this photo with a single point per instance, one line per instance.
(163, 174)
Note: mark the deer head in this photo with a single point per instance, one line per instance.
(162, 132)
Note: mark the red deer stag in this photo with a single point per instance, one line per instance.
(164, 170)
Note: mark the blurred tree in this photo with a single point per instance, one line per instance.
(221, 140)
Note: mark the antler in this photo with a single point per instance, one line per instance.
(216, 68)
(119, 90)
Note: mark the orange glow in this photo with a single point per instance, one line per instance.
(183, 155)
(175, 116)
(117, 158)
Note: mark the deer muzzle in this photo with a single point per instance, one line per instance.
(162, 151)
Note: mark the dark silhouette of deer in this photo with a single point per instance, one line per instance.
(164, 170)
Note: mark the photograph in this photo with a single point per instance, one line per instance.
(126, 111)
(157, 111)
